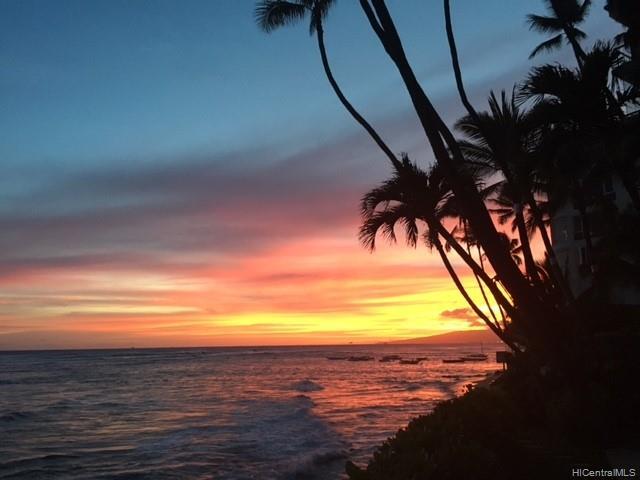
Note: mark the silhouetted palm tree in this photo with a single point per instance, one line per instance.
(273, 14)
(527, 307)
(412, 197)
(584, 129)
(448, 155)
(502, 141)
(562, 21)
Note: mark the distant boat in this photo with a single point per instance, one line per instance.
(390, 358)
(475, 357)
(360, 358)
(336, 358)
(410, 361)
(453, 360)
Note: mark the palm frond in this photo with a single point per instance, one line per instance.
(543, 24)
(626, 95)
(548, 45)
(569, 11)
(383, 195)
(554, 80)
(384, 222)
(492, 191)
(480, 154)
(622, 39)
(409, 197)
(584, 9)
(273, 14)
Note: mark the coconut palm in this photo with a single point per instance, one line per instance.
(585, 134)
(562, 21)
(586, 137)
(527, 306)
(414, 198)
(503, 141)
(273, 14)
(448, 155)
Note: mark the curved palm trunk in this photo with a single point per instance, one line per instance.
(456, 280)
(575, 46)
(524, 239)
(556, 271)
(484, 295)
(478, 281)
(347, 105)
(541, 333)
(456, 64)
(482, 291)
(529, 262)
(475, 268)
(470, 200)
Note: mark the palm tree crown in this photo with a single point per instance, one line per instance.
(562, 21)
(410, 196)
(503, 141)
(273, 14)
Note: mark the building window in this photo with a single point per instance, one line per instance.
(578, 232)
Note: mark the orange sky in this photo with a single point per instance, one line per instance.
(205, 250)
(325, 289)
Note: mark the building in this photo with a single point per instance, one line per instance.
(607, 198)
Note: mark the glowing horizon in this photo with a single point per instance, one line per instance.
(175, 177)
(350, 296)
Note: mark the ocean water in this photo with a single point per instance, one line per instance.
(213, 413)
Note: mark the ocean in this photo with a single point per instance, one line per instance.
(214, 413)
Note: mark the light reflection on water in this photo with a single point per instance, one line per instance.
(267, 413)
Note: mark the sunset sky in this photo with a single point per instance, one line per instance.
(173, 176)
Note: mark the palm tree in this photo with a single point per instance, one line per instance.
(583, 132)
(448, 155)
(413, 197)
(273, 14)
(562, 21)
(503, 141)
(527, 306)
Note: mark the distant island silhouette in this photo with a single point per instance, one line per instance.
(469, 336)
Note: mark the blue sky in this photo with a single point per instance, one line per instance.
(142, 134)
(94, 81)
